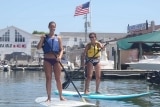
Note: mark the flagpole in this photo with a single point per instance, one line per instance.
(90, 16)
(85, 25)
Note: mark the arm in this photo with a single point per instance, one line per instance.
(83, 56)
(40, 44)
(61, 48)
(101, 46)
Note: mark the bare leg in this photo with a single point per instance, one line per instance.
(89, 77)
(57, 73)
(48, 74)
(98, 76)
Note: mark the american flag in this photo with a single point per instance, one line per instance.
(82, 9)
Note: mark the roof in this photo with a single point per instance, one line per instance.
(106, 36)
(10, 27)
(147, 39)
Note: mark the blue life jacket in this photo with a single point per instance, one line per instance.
(51, 45)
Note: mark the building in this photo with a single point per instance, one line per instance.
(13, 39)
(142, 28)
(72, 40)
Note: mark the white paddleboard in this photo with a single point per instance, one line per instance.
(55, 102)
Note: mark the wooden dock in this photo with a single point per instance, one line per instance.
(106, 74)
(112, 74)
(25, 68)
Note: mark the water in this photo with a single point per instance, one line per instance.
(21, 88)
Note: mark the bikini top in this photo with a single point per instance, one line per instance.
(51, 45)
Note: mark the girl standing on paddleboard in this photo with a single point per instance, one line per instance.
(53, 51)
(92, 55)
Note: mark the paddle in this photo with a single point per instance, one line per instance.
(67, 82)
(66, 74)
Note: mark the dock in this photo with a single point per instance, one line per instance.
(112, 74)
(106, 74)
(27, 68)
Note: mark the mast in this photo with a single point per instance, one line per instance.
(86, 28)
(87, 23)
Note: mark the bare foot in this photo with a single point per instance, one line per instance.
(62, 99)
(48, 101)
(97, 92)
(86, 92)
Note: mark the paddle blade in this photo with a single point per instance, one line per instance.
(83, 100)
(66, 84)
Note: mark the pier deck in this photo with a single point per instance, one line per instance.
(112, 74)
(106, 74)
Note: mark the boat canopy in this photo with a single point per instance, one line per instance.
(148, 41)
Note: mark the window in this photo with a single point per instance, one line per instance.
(5, 37)
(75, 39)
(34, 44)
(19, 37)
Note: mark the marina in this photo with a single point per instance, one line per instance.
(122, 46)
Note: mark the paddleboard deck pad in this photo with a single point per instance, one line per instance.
(103, 96)
(55, 102)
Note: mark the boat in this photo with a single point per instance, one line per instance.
(4, 66)
(105, 63)
(154, 77)
(103, 96)
(150, 64)
(67, 64)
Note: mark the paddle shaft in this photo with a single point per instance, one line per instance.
(66, 72)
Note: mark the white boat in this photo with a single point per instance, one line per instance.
(152, 63)
(67, 64)
(4, 66)
(105, 63)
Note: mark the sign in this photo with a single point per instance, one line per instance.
(12, 45)
(137, 27)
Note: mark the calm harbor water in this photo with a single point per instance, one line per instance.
(21, 88)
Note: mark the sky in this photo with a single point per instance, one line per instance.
(106, 16)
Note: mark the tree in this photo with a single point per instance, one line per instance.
(38, 32)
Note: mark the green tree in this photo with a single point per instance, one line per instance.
(38, 32)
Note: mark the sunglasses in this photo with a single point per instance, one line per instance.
(91, 37)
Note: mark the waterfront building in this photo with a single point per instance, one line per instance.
(74, 40)
(13, 39)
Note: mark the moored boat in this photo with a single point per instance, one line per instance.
(154, 77)
(146, 64)
(4, 66)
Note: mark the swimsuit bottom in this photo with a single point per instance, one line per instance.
(52, 61)
(93, 61)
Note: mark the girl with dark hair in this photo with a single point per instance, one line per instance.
(92, 56)
(53, 51)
